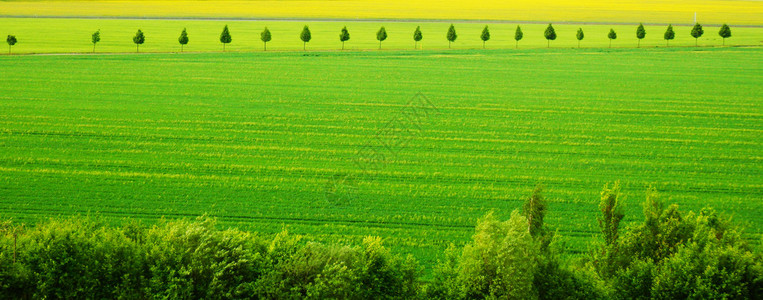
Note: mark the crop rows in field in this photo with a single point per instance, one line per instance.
(742, 12)
(257, 139)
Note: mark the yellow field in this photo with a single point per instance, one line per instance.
(735, 12)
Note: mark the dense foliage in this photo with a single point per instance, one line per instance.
(670, 255)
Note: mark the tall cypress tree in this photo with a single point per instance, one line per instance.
(485, 36)
(550, 35)
(580, 35)
(305, 37)
(669, 35)
(451, 35)
(697, 32)
(381, 35)
(344, 36)
(640, 34)
(138, 39)
(612, 35)
(265, 37)
(183, 39)
(725, 32)
(518, 35)
(225, 37)
(417, 37)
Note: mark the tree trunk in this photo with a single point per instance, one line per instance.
(223, 47)
(724, 41)
(264, 46)
(516, 46)
(379, 45)
(137, 48)
(181, 47)
(448, 44)
(696, 42)
(548, 45)
(639, 43)
(415, 45)
(610, 43)
(343, 45)
(304, 46)
(93, 47)
(578, 43)
(483, 44)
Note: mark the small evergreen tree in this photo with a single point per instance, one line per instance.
(669, 35)
(485, 36)
(697, 32)
(640, 34)
(580, 35)
(138, 39)
(451, 35)
(225, 37)
(183, 39)
(265, 37)
(381, 35)
(550, 35)
(11, 40)
(95, 38)
(305, 37)
(725, 32)
(612, 35)
(417, 37)
(518, 35)
(344, 36)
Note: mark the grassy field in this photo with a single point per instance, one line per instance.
(737, 12)
(73, 35)
(267, 140)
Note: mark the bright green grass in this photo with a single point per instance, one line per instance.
(255, 138)
(73, 35)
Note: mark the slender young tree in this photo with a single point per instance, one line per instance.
(305, 37)
(381, 35)
(451, 35)
(518, 35)
(11, 40)
(612, 35)
(550, 35)
(95, 38)
(225, 37)
(669, 35)
(138, 39)
(697, 32)
(344, 36)
(265, 37)
(183, 39)
(580, 35)
(640, 34)
(417, 37)
(485, 36)
(725, 32)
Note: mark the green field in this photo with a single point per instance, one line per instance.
(258, 139)
(73, 35)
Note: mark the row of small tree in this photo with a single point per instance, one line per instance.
(305, 36)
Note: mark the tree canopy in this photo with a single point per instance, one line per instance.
(485, 36)
(452, 36)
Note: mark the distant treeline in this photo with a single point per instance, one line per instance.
(670, 255)
(305, 36)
